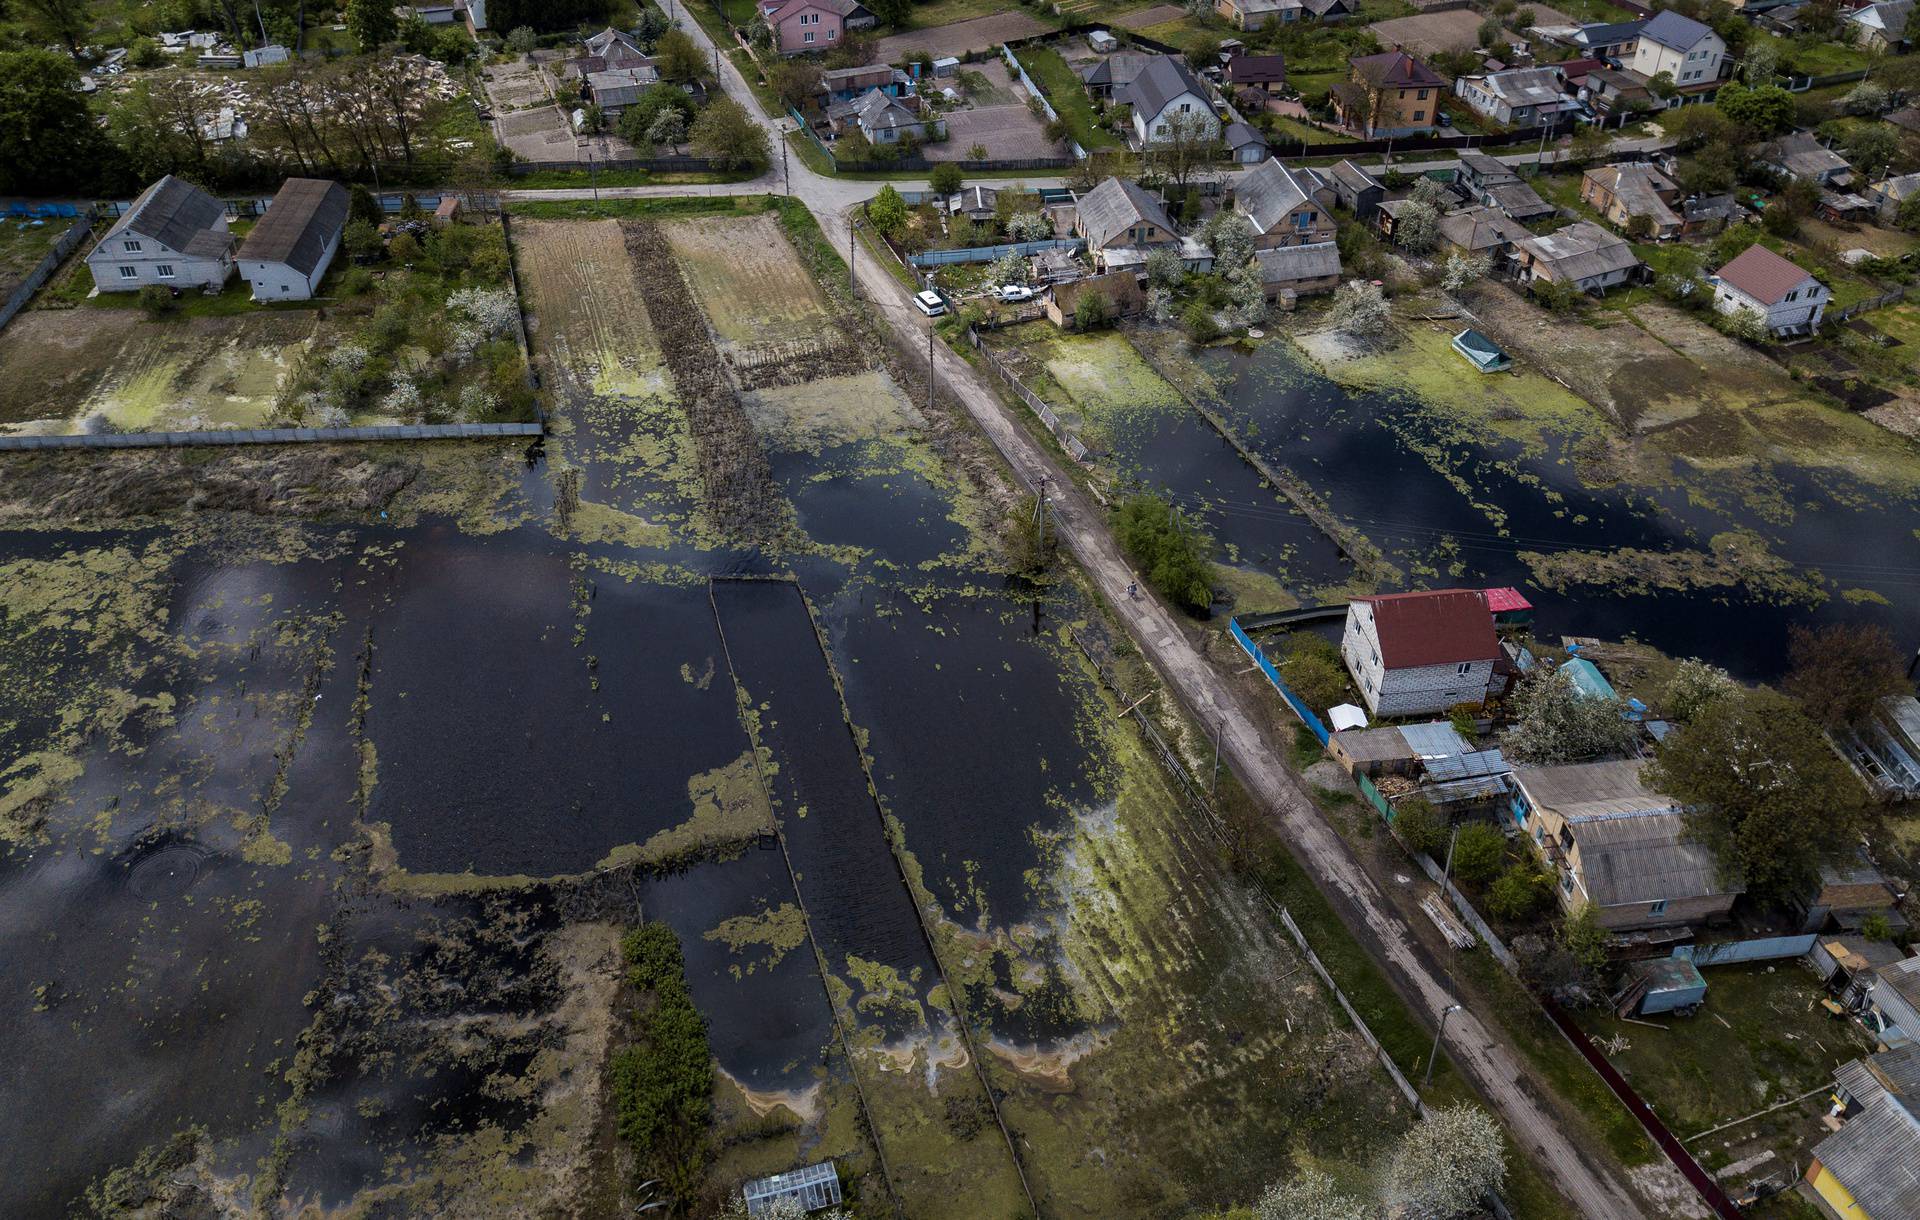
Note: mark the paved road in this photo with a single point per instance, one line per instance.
(1482, 1053)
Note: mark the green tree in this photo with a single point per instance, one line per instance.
(145, 53)
(1585, 941)
(727, 135)
(638, 119)
(372, 23)
(361, 205)
(1872, 147)
(66, 21)
(1588, 145)
(1420, 826)
(669, 128)
(1172, 556)
(522, 39)
(1311, 1196)
(894, 13)
(1478, 853)
(1839, 673)
(1693, 686)
(795, 81)
(1908, 217)
(363, 242)
(1312, 667)
(1092, 311)
(49, 143)
(680, 59)
(1518, 892)
(887, 210)
(946, 178)
(1763, 110)
(1763, 790)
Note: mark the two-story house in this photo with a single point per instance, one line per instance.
(1687, 51)
(1415, 654)
(1166, 96)
(1355, 189)
(803, 26)
(175, 235)
(1618, 846)
(1789, 299)
(1120, 214)
(1285, 206)
(1390, 94)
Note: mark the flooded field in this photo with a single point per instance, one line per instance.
(1699, 547)
(145, 376)
(323, 833)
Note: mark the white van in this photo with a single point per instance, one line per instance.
(930, 303)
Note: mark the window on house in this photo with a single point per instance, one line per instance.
(286, 288)
(830, 34)
(133, 247)
(1419, 115)
(1185, 107)
(1465, 667)
(1566, 882)
(1161, 130)
(1657, 908)
(1421, 96)
(1566, 838)
(1304, 220)
(164, 271)
(1794, 295)
(129, 273)
(807, 37)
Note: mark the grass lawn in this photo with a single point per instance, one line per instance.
(1593, 10)
(946, 12)
(1819, 58)
(1762, 1039)
(1313, 85)
(558, 178)
(23, 245)
(1069, 98)
(1288, 130)
(659, 209)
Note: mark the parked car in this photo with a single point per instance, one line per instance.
(1015, 292)
(930, 303)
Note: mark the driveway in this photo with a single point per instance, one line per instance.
(1007, 131)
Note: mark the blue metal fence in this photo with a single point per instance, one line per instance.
(1764, 949)
(1259, 655)
(986, 254)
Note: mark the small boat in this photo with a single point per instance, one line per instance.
(1482, 351)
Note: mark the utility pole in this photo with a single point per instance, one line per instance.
(1040, 517)
(929, 365)
(786, 175)
(593, 176)
(1428, 1078)
(852, 289)
(1219, 726)
(1447, 870)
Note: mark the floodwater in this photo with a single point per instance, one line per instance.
(1449, 512)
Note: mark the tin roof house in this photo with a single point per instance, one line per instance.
(289, 250)
(1870, 1166)
(1618, 845)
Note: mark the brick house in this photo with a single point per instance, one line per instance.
(803, 26)
(1285, 206)
(1390, 94)
(1417, 654)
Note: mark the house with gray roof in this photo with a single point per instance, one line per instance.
(290, 248)
(1355, 189)
(1690, 53)
(1119, 214)
(1244, 144)
(1583, 256)
(1802, 155)
(1519, 96)
(1615, 843)
(1607, 39)
(1481, 230)
(1116, 71)
(174, 235)
(882, 119)
(1882, 25)
(1165, 94)
(1287, 272)
(1285, 206)
(1870, 1166)
(615, 89)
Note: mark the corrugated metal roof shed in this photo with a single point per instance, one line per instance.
(1876, 1156)
(1435, 739)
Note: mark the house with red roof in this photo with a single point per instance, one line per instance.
(1788, 298)
(1420, 654)
(1389, 94)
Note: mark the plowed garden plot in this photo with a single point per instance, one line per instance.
(591, 324)
(145, 376)
(744, 274)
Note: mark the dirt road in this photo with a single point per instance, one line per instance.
(1593, 1188)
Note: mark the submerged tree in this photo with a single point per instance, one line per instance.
(1360, 309)
(1694, 685)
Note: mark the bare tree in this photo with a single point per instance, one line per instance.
(1189, 147)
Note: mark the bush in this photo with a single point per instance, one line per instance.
(663, 1082)
(1092, 312)
(158, 302)
(1519, 892)
(1478, 853)
(1198, 320)
(1421, 827)
(355, 282)
(1174, 559)
(1312, 667)
(946, 178)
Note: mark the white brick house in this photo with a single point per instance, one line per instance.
(1418, 654)
(175, 235)
(1789, 299)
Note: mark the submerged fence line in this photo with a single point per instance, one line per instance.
(270, 436)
